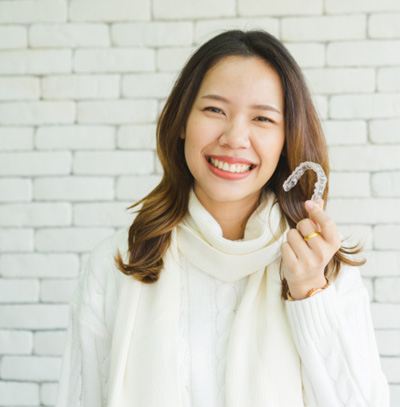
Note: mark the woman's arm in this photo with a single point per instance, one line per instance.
(83, 378)
(334, 335)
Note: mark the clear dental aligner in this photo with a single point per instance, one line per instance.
(300, 170)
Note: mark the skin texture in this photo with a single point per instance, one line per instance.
(304, 261)
(234, 129)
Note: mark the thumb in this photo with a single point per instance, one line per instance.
(319, 203)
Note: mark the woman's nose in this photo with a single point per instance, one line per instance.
(237, 136)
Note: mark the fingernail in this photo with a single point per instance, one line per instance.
(309, 204)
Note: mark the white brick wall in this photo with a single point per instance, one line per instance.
(81, 84)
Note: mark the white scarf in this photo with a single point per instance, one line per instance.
(262, 364)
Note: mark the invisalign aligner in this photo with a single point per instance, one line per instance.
(319, 187)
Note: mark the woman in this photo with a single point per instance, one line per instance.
(226, 290)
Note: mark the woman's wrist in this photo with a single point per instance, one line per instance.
(304, 291)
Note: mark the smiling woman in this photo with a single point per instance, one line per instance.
(194, 311)
(242, 89)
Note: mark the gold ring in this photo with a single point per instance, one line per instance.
(311, 235)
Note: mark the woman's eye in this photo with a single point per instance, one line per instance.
(212, 107)
(266, 119)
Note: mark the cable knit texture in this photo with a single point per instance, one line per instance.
(332, 332)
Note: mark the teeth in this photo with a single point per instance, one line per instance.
(229, 167)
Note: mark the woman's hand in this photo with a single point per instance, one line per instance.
(304, 262)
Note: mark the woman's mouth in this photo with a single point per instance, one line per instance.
(229, 171)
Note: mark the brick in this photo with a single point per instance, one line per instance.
(395, 394)
(207, 28)
(19, 88)
(75, 137)
(73, 188)
(388, 342)
(117, 112)
(367, 210)
(350, 184)
(38, 62)
(48, 393)
(35, 163)
(133, 188)
(16, 138)
(154, 85)
(365, 106)
(67, 240)
(387, 289)
(15, 189)
(51, 343)
(386, 236)
(343, 132)
(172, 59)
(381, 264)
(32, 368)
(321, 106)
(357, 234)
(57, 291)
(114, 60)
(307, 55)
(388, 79)
(15, 343)
(103, 10)
(35, 316)
(101, 214)
(19, 290)
(37, 113)
(39, 265)
(13, 36)
(137, 137)
(365, 6)
(385, 316)
(386, 184)
(385, 131)
(324, 28)
(363, 53)
(69, 35)
(35, 214)
(28, 11)
(369, 158)
(384, 25)
(152, 34)
(19, 393)
(391, 368)
(16, 240)
(281, 8)
(337, 80)
(118, 162)
(181, 9)
(81, 87)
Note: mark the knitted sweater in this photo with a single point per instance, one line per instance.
(332, 330)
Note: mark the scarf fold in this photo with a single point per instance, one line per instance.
(262, 364)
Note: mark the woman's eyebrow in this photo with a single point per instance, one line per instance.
(223, 99)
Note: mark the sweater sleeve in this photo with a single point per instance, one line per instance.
(83, 378)
(334, 335)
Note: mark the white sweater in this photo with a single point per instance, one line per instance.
(347, 368)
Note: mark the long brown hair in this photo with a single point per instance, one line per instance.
(165, 206)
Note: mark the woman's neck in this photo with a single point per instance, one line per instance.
(232, 216)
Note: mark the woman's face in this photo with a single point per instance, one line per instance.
(235, 127)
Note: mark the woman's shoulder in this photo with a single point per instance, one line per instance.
(101, 262)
